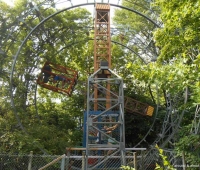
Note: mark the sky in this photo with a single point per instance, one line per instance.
(74, 2)
(67, 3)
(10, 2)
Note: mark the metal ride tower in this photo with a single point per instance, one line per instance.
(104, 127)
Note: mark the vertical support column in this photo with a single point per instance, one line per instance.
(30, 160)
(102, 45)
(135, 160)
(63, 164)
(68, 158)
(83, 160)
(183, 160)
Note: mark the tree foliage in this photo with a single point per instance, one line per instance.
(179, 51)
(43, 121)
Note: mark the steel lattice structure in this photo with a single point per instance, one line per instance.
(104, 116)
(196, 121)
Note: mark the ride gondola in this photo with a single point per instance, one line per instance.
(57, 78)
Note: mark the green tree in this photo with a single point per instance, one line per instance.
(178, 41)
(43, 121)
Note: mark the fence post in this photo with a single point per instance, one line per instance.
(63, 164)
(83, 160)
(67, 160)
(135, 160)
(30, 160)
(142, 152)
(183, 160)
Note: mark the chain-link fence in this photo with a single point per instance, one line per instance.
(76, 160)
(24, 162)
(73, 160)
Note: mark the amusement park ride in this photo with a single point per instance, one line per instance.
(57, 78)
(104, 125)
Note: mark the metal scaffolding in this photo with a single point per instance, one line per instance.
(105, 126)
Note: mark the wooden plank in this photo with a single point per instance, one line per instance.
(83, 149)
(52, 162)
(102, 6)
